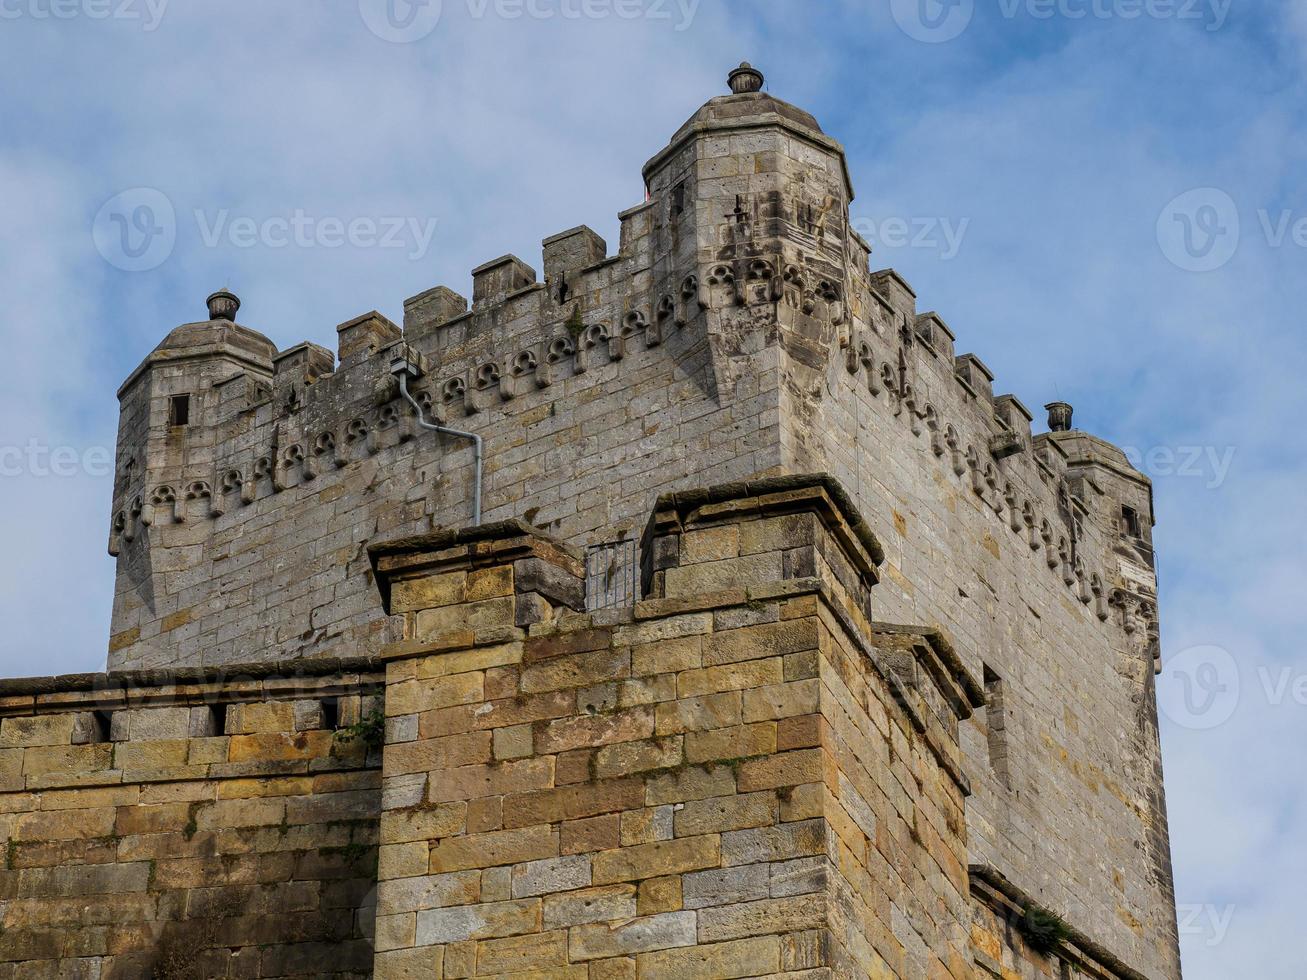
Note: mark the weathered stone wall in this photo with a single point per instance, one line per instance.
(187, 827)
(1068, 788)
(583, 456)
(719, 783)
(889, 700)
(239, 534)
(745, 774)
(737, 333)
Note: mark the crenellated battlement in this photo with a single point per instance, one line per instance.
(723, 279)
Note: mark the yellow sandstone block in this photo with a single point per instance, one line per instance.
(402, 826)
(428, 592)
(410, 964)
(730, 677)
(659, 895)
(494, 848)
(39, 730)
(657, 858)
(739, 742)
(540, 955)
(632, 757)
(718, 961)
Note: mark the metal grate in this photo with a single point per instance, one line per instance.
(610, 575)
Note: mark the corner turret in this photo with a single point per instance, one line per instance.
(750, 215)
(1119, 499)
(168, 409)
(169, 403)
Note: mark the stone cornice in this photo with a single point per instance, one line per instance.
(819, 493)
(264, 680)
(992, 888)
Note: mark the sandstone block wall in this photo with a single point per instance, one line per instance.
(690, 789)
(742, 776)
(187, 827)
(745, 774)
(1023, 562)
(240, 536)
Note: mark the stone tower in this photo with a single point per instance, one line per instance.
(784, 646)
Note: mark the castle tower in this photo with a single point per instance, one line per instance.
(734, 409)
(753, 197)
(170, 407)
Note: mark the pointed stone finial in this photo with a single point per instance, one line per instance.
(223, 305)
(1059, 416)
(744, 79)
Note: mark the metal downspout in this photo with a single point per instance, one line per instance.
(402, 371)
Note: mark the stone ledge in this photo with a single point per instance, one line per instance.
(945, 667)
(991, 887)
(496, 543)
(817, 493)
(63, 692)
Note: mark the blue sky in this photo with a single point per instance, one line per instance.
(1025, 164)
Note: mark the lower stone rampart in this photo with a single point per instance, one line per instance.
(743, 774)
(188, 825)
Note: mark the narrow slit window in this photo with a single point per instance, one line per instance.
(996, 727)
(611, 575)
(217, 722)
(179, 410)
(330, 713)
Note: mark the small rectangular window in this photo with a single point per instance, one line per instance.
(92, 727)
(1130, 522)
(179, 410)
(678, 198)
